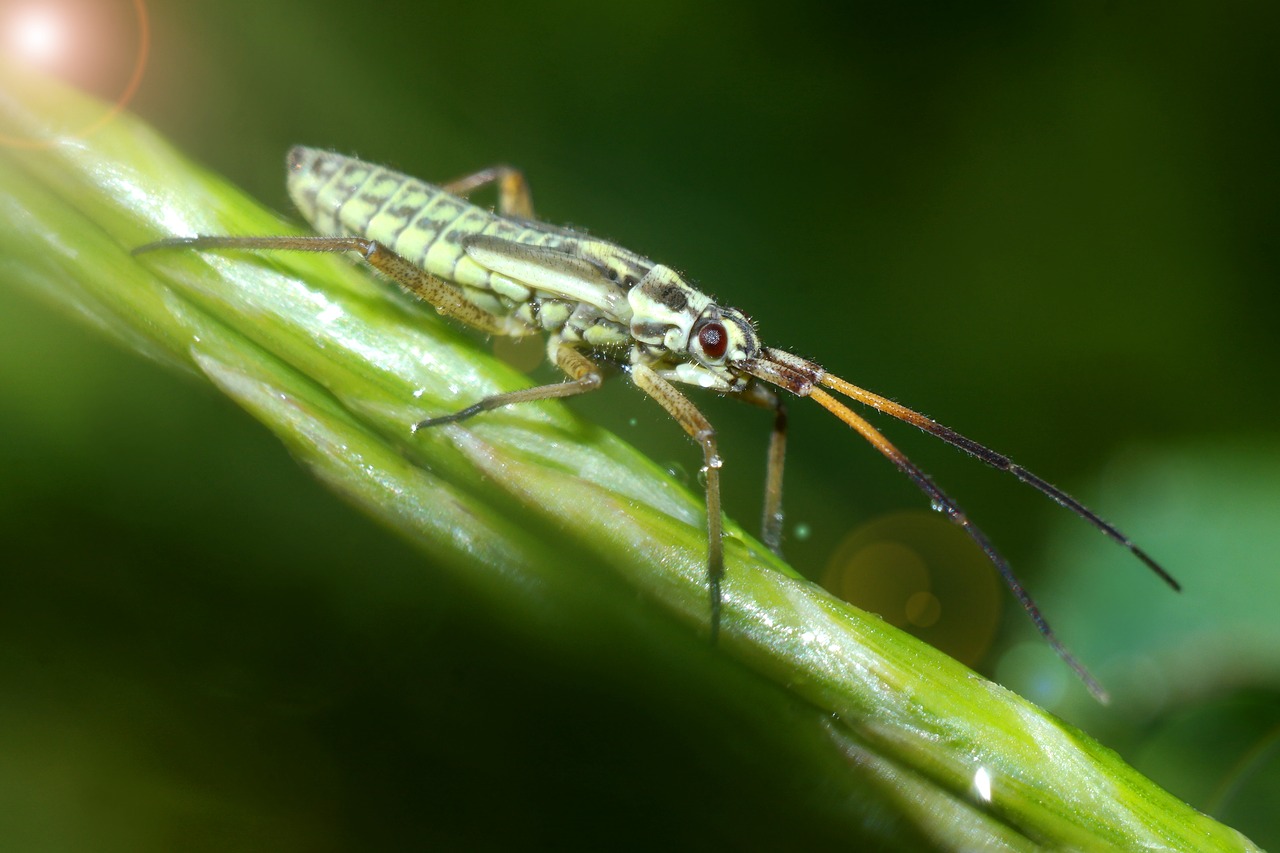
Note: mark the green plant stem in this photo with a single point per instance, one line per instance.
(338, 365)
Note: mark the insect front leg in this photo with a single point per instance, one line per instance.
(699, 428)
(771, 523)
(583, 373)
(771, 520)
(514, 196)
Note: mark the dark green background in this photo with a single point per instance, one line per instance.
(1053, 229)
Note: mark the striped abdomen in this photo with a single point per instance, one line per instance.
(420, 222)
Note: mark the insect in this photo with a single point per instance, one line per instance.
(506, 273)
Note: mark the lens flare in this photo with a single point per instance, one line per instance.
(921, 574)
(43, 36)
(37, 36)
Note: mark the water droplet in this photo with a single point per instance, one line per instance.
(801, 531)
(982, 784)
(715, 461)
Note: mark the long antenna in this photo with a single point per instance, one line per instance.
(943, 503)
(995, 460)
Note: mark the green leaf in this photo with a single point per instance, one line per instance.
(549, 518)
(1214, 509)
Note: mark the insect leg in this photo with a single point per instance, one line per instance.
(771, 521)
(944, 504)
(700, 429)
(584, 377)
(514, 197)
(445, 297)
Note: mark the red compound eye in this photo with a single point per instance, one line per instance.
(713, 339)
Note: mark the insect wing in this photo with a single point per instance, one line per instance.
(550, 271)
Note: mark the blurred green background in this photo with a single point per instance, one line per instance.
(1051, 228)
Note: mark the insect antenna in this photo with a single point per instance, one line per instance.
(995, 460)
(943, 503)
(802, 377)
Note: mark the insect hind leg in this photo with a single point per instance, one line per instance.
(445, 297)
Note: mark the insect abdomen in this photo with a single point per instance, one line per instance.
(420, 222)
